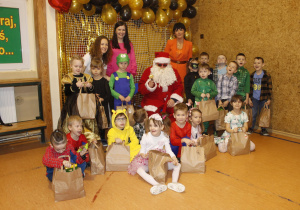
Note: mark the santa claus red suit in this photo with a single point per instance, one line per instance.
(167, 86)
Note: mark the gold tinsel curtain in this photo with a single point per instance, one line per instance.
(77, 32)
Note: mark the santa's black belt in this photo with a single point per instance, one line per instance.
(179, 62)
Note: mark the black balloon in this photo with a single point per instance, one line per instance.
(98, 2)
(154, 3)
(147, 3)
(125, 13)
(88, 6)
(112, 1)
(154, 8)
(190, 2)
(173, 5)
(98, 9)
(117, 6)
(189, 12)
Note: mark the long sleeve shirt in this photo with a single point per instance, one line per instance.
(243, 78)
(178, 133)
(266, 86)
(204, 86)
(227, 87)
(112, 83)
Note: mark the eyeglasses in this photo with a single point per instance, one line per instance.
(162, 64)
(121, 119)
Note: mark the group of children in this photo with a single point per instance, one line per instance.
(231, 85)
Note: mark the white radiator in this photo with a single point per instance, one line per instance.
(7, 105)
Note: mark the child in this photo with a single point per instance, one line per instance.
(189, 79)
(76, 138)
(243, 78)
(204, 59)
(139, 116)
(260, 91)
(156, 138)
(204, 89)
(102, 91)
(235, 121)
(122, 131)
(180, 129)
(220, 68)
(121, 83)
(59, 147)
(227, 86)
(195, 118)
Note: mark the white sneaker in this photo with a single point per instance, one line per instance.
(177, 187)
(157, 189)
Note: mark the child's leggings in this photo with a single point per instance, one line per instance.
(142, 171)
(223, 146)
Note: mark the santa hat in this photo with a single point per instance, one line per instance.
(162, 57)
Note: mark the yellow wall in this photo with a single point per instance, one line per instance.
(269, 29)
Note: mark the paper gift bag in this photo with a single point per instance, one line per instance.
(192, 160)
(97, 158)
(238, 144)
(129, 111)
(209, 110)
(67, 185)
(248, 111)
(86, 104)
(103, 117)
(158, 165)
(208, 143)
(117, 157)
(264, 117)
(220, 122)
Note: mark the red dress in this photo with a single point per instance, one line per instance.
(178, 133)
(76, 144)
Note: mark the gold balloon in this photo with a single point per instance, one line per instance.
(75, 7)
(136, 14)
(188, 35)
(195, 50)
(177, 14)
(123, 2)
(83, 1)
(164, 4)
(161, 18)
(182, 5)
(186, 21)
(109, 14)
(169, 13)
(148, 15)
(91, 12)
(136, 4)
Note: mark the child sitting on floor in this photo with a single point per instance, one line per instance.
(195, 118)
(59, 146)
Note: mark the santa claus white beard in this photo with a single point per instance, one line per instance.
(163, 76)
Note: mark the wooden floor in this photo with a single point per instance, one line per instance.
(268, 178)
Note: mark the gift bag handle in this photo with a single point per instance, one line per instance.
(63, 156)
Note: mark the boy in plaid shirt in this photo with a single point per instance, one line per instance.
(227, 86)
(139, 117)
(260, 91)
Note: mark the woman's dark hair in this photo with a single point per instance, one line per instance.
(95, 51)
(115, 43)
(178, 26)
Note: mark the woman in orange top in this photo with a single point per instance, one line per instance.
(180, 50)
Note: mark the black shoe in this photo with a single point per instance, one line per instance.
(250, 130)
(104, 142)
(264, 132)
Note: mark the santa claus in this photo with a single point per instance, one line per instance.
(161, 86)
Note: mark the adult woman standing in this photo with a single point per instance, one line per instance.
(180, 50)
(99, 49)
(120, 43)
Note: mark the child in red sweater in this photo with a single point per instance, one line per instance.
(180, 129)
(60, 147)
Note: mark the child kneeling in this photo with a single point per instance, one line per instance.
(235, 121)
(156, 138)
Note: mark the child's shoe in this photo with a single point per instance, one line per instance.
(264, 132)
(157, 189)
(177, 187)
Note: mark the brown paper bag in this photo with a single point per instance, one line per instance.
(209, 110)
(158, 165)
(192, 159)
(86, 104)
(67, 185)
(238, 144)
(248, 111)
(264, 117)
(97, 158)
(129, 111)
(117, 157)
(208, 143)
(220, 122)
(103, 116)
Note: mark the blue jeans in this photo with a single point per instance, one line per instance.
(257, 106)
